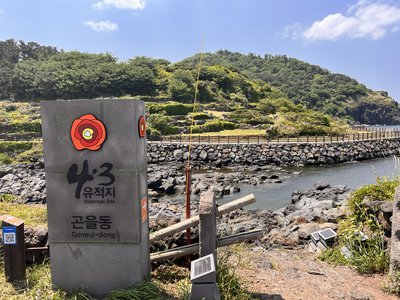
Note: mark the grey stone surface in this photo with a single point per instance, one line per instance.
(395, 241)
(279, 154)
(98, 269)
(205, 291)
(208, 225)
(96, 255)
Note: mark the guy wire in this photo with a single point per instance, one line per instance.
(196, 92)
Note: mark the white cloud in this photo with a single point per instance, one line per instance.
(293, 31)
(106, 26)
(365, 19)
(121, 4)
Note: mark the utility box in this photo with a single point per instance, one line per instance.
(96, 183)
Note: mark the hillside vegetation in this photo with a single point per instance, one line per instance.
(311, 85)
(275, 93)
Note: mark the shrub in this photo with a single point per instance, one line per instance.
(227, 280)
(382, 191)
(21, 127)
(142, 291)
(213, 126)
(14, 148)
(200, 116)
(170, 108)
(369, 255)
(160, 124)
(333, 256)
(31, 155)
(251, 117)
(8, 198)
(5, 159)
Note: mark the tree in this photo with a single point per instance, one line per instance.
(181, 86)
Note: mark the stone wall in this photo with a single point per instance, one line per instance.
(280, 154)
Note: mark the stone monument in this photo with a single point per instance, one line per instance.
(96, 182)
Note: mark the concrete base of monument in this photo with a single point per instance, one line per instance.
(96, 268)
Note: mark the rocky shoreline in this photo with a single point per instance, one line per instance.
(26, 183)
(320, 207)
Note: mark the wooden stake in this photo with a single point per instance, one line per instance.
(14, 254)
(188, 191)
(190, 249)
(193, 221)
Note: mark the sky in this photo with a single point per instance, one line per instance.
(359, 38)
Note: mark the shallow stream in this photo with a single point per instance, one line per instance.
(278, 195)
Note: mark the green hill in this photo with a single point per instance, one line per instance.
(311, 85)
(275, 93)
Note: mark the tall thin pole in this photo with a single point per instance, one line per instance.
(188, 166)
(188, 191)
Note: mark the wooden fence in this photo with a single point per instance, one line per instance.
(263, 139)
(246, 139)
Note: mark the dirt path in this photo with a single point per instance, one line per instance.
(296, 274)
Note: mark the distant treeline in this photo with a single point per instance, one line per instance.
(228, 81)
(31, 72)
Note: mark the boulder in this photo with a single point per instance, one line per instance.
(305, 230)
(319, 186)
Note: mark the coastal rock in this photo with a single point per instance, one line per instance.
(305, 230)
(278, 154)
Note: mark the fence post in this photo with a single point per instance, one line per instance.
(316, 138)
(395, 243)
(14, 248)
(288, 139)
(218, 139)
(205, 287)
(208, 225)
(248, 139)
(238, 139)
(228, 139)
(278, 138)
(258, 139)
(209, 139)
(307, 138)
(323, 138)
(363, 136)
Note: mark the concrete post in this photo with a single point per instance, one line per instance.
(208, 225)
(96, 182)
(205, 287)
(395, 242)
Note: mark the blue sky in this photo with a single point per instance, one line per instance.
(359, 38)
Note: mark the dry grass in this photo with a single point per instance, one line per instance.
(33, 215)
(233, 132)
(217, 114)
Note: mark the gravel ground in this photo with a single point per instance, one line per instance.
(296, 274)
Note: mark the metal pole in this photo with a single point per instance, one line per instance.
(188, 188)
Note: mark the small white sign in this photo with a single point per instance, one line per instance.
(202, 266)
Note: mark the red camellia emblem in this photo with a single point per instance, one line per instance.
(87, 132)
(142, 127)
